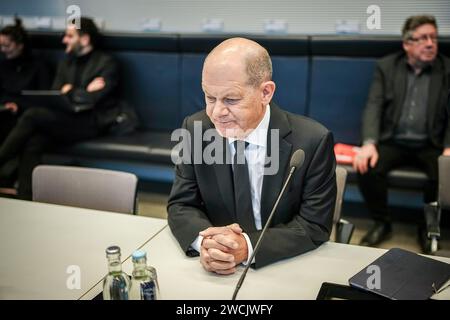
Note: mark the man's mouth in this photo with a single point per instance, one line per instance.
(223, 122)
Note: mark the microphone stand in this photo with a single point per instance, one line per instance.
(242, 278)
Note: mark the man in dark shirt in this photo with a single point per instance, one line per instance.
(406, 120)
(87, 76)
(19, 70)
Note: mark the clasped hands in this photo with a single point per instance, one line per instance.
(223, 248)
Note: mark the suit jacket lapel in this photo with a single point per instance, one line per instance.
(400, 88)
(272, 184)
(87, 72)
(433, 94)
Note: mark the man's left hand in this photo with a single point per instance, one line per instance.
(446, 152)
(229, 238)
(240, 253)
(96, 84)
(12, 106)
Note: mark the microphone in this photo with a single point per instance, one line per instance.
(296, 162)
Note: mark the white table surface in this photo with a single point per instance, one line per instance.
(301, 277)
(38, 242)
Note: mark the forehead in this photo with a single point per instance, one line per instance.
(425, 29)
(225, 90)
(222, 74)
(71, 30)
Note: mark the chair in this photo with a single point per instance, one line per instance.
(89, 188)
(433, 211)
(343, 228)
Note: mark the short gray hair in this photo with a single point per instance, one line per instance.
(258, 68)
(413, 22)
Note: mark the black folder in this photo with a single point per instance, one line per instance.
(403, 275)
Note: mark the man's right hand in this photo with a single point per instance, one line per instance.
(66, 88)
(214, 260)
(368, 155)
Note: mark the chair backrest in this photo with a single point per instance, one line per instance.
(89, 188)
(341, 178)
(444, 182)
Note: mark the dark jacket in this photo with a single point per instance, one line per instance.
(26, 72)
(202, 195)
(387, 94)
(105, 101)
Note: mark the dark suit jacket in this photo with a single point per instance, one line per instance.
(99, 64)
(202, 195)
(386, 97)
(26, 72)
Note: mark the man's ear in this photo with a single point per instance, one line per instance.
(267, 91)
(85, 40)
(405, 45)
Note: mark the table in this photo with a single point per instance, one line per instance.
(301, 277)
(43, 246)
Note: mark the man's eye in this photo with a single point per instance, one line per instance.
(211, 99)
(231, 101)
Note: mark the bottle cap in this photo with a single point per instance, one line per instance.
(113, 250)
(139, 254)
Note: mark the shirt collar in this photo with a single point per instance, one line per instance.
(259, 135)
(426, 68)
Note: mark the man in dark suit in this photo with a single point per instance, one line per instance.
(88, 77)
(218, 210)
(406, 120)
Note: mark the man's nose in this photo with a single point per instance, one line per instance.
(220, 109)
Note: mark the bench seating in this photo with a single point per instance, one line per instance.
(324, 77)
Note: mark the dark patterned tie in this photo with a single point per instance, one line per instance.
(242, 190)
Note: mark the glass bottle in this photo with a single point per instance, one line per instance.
(144, 283)
(116, 285)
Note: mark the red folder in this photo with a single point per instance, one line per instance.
(345, 153)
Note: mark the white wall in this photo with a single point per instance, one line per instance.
(301, 16)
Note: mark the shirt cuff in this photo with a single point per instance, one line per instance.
(197, 243)
(249, 250)
(369, 141)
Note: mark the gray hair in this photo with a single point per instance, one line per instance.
(258, 68)
(413, 22)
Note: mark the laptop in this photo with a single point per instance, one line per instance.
(403, 275)
(53, 99)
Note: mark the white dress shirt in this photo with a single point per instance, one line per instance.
(255, 154)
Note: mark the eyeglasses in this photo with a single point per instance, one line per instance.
(424, 39)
